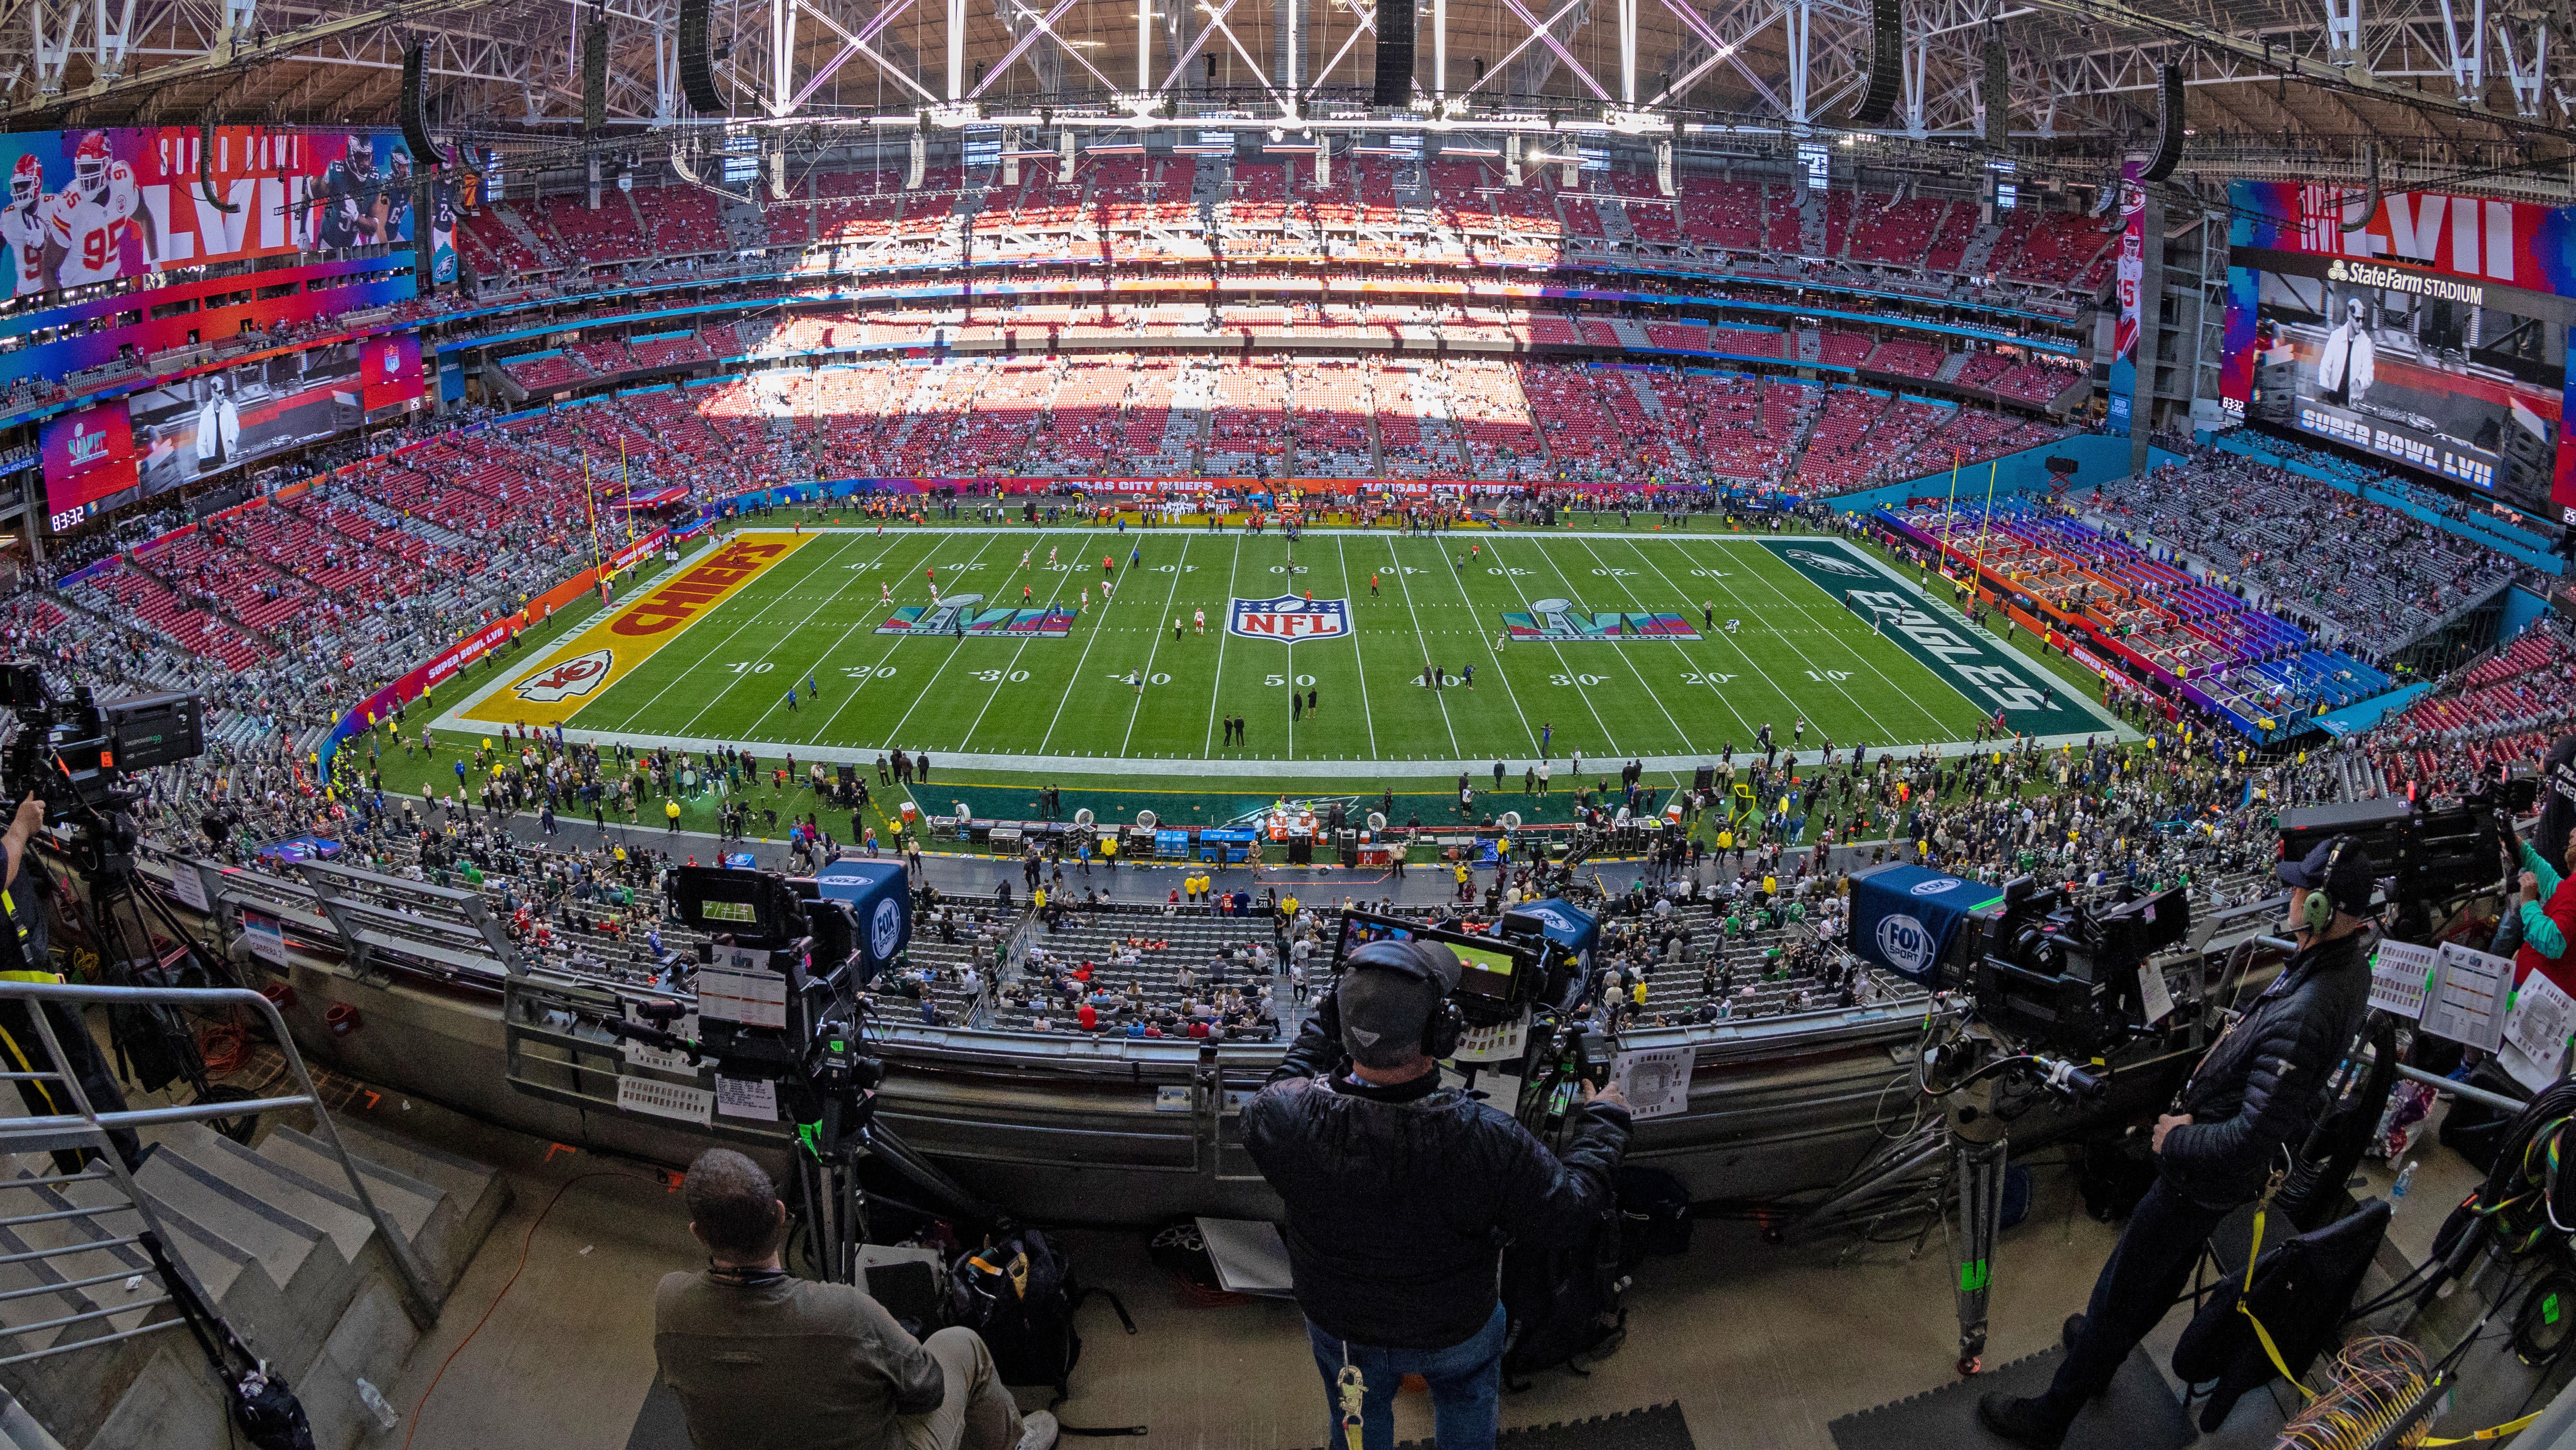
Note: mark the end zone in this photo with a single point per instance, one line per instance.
(582, 668)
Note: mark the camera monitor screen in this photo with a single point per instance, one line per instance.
(1494, 968)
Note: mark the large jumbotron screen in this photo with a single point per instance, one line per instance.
(2433, 336)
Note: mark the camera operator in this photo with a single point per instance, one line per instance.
(1400, 1192)
(2540, 919)
(2254, 1095)
(23, 888)
(763, 1361)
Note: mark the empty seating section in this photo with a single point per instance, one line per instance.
(2366, 574)
(1898, 232)
(1909, 357)
(2504, 708)
(2064, 249)
(680, 220)
(591, 237)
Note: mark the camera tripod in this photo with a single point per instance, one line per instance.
(1966, 1149)
(119, 917)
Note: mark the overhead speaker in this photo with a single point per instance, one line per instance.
(1886, 63)
(1998, 93)
(697, 63)
(2169, 123)
(594, 72)
(206, 193)
(1394, 54)
(415, 119)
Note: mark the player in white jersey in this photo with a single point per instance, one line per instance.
(22, 227)
(90, 222)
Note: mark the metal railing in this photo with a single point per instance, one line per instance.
(86, 1129)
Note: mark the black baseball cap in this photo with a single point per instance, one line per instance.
(2349, 882)
(1387, 993)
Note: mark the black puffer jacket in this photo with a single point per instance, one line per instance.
(1397, 1211)
(2262, 1085)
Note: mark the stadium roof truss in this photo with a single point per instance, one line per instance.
(2290, 87)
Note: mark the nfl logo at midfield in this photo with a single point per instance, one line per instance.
(1289, 618)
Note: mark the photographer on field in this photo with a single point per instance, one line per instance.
(2252, 1099)
(1402, 1193)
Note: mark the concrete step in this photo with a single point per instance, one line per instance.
(19, 1430)
(476, 1192)
(424, 1212)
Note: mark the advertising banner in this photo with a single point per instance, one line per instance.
(389, 370)
(1904, 918)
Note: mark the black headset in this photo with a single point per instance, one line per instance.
(2319, 912)
(1442, 1029)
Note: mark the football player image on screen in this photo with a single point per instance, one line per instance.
(442, 231)
(392, 210)
(22, 226)
(92, 231)
(352, 194)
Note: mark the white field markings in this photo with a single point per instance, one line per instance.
(1821, 676)
(690, 670)
(823, 732)
(1476, 630)
(1397, 560)
(1225, 618)
(1091, 637)
(1818, 613)
(1358, 664)
(1180, 567)
(1607, 738)
(1704, 674)
(1681, 736)
(865, 614)
(956, 648)
(1003, 680)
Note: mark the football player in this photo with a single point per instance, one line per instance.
(22, 226)
(350, 198)
(91, 231)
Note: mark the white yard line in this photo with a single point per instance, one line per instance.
(762, 613)
(1004, 682)
(957, 648)
(1357, 663)
(1743, 604)
(1401, 583)
(1179, 568)
(1224, 620)
(1714, 692)
(1606, 737)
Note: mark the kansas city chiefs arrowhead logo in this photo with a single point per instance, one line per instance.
(577, 676)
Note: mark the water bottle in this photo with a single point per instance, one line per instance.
(374, 1400)
(2397, 1190)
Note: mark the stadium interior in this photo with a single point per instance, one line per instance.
(1839, 555)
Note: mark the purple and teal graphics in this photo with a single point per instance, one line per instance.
(1562, 621)
(1289, 618)
(963, 616)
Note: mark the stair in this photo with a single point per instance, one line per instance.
(274, 1239)
(1811, 225)
(1811, 345)
(1981, 247)
(1630, 332)
(545, 247)
(1952, 366)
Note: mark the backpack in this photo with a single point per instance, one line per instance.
(1019, 1295)
(1655, 1214)
(1561, 1298)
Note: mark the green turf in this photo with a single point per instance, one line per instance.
(1799, 653)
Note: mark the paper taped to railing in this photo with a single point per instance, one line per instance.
(2469, 996)
(747, 1097)
(1655, 1080)
(2398, 972)
(755, 999)
(666, 1100)
(2543, 1016)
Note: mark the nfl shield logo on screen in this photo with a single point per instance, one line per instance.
(1290, 618)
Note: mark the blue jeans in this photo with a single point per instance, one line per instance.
(1466, 1382)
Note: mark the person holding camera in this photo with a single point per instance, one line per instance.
(2236, 1124)
(23, 887)
(763, 1361)
(1401, 1193)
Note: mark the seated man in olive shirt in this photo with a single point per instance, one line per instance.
(761, 1360)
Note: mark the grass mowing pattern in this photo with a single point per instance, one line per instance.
(1798, 653)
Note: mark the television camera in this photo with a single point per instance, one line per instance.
(781, 1000)
(80, 759)
(2043, 992)
(2429, 854)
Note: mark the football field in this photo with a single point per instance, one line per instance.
(1351, 652)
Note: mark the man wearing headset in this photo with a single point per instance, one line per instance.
(2254, 1096)
(1401, 1193)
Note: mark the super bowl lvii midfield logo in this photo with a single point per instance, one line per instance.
(1289, 618)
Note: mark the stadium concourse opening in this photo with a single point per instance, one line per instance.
(1564, 730)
